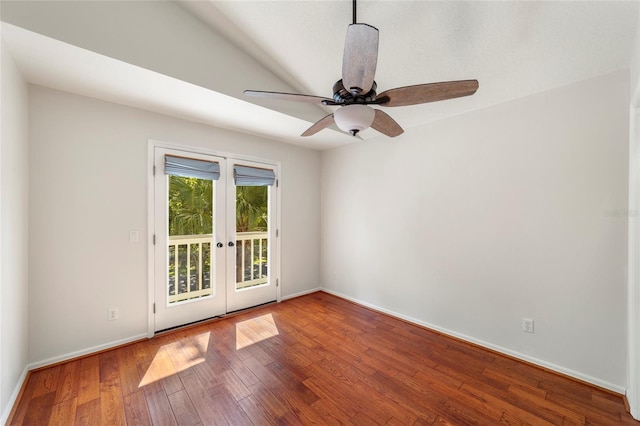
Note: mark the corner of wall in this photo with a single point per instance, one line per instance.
(13, 232)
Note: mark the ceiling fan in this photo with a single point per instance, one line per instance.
(357, 89)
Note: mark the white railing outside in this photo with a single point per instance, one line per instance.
(251, 259)
(191, 257)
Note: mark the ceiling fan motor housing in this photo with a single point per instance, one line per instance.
(344, 97)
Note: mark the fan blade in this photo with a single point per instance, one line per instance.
(432, 92)
(287, 96)
(360, 58)
(386, 125)
(323, 123)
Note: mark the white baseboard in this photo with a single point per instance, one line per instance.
(86, 351)
(557, 368)
(14, 396)
(302, 293)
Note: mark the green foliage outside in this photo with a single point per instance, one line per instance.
(191, 207)
(251, 208)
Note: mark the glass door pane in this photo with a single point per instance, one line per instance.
(190, 202)
(252, 236)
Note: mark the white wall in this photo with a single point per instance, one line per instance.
(472, 223)
(88, 188)
(13, 232)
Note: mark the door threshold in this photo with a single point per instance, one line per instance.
(187, 325)
(212, 319)
(243, 310)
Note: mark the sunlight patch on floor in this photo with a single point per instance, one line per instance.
(175, 357)
(255, 330)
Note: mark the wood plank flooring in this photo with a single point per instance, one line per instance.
(316, 359)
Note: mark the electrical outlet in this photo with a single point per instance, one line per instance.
(527, 325)
(113, 314)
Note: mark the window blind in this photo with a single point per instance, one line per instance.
(190, 167)
(253, 176)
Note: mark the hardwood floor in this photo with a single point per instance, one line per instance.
(316, 359)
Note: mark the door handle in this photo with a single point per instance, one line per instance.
(231, 244)
(219, 245)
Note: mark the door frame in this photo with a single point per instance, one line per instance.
(151, 146)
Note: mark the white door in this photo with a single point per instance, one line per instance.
(203, 268)
(251, 280)
(189, 267)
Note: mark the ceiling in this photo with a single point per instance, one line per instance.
(514, 49)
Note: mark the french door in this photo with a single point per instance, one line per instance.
(215, 236)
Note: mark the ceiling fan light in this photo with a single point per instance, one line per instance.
(354, 118)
